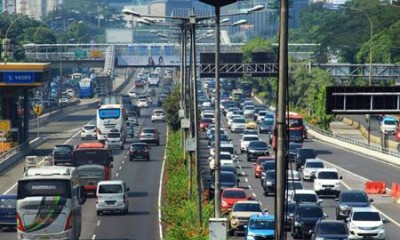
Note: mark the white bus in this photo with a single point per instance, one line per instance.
(49, 203)
(108, 117)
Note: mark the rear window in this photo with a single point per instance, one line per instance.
(250, 138)
(389, 122)
(8, 203)
(314, 165)
(110, 188)
(234, 194)
(258, 144)
(328, 175)
(89, 127)
(113, 135)
(148, 130)
(366, 216)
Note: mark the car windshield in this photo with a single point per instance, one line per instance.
(228, 177)
(294, 146)
(113, 135)
(269, 165)
(299, 197)
(206, 120)
(306, 152)
(225, 157)
(328, 175)
(366, 216)
(353, 197)
(138, 147)
(332, 228)
(62, 149)
(234, 194)
(148, 130)
(294, 185)
(262, 224)
(258, 144)
(390, 122)
(271, 174)
(239, 120)
(247, 207)
(89, 127)
(310, 212)
(314, 165)
(8, 203)
(250, 138)
(110, 188)
(226, 149)
(267, 122)
(290, 207)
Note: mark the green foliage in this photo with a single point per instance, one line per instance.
(256, 44)
(180, 212)
(171, 109)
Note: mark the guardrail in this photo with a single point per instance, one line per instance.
(373, 147)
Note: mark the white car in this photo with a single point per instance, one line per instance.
(366, 221)
(230, 119)
(238, 125)
(245, 141)
(132, 93)
(292, 175)
(210, 116)
(261, 115)
(249, 110)
(292, 187)
(310, 168)
(158, 115)
(327, 181)
(112, 196)
(142, 102)
(306, 196)
(225, 159)
(388, 125)
(89, 131)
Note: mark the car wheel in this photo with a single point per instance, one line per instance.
(248, 159)
(99, 213)
(265, 194)
(158, 143)
(231, 232)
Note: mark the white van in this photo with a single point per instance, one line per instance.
(112, 196)
(388, 125)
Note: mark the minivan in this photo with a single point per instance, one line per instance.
(114, 139)
(112, 196)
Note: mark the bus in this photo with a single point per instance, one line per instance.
(247, 89)
(237, 95)
(86, 88)
(49, 203)
(93, 161)
(108, 117)
(296, 129)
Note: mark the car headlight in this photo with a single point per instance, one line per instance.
(297, 224)
(251, 234)
(353, 226)
(306, 170)
(269, 183)
(381, 227)
(343, 207)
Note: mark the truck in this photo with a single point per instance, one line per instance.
(247, 89)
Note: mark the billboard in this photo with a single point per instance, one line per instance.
(118, 35)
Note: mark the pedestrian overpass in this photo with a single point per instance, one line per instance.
(169, 55)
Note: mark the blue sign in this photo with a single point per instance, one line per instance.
(109, 113)
(20, 77)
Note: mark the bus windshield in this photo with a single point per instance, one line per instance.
(295, 122)
(40, 188)
(90, 156)
(111, 113)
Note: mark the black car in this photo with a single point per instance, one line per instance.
(227, 168)
(267, 165)
(302, 155)
(139, 151)
(266, 126)
(269, 182)
(348, 199)
(330, 229)
(305, 218)
(8, 211)
(292, 150)
(257, 149)
(290, 208)
(161, 99)
(228, 180)
(63, 154)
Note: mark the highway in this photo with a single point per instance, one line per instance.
(142, 178)
(375, 127)
(353, 167)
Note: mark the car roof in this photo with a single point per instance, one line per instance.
(234, 189)
(8, 196)
(314, 160)
(248, 202)
(306, 191)
(327, 170)
(308, 205)
(262, 216)
(364, 209)
(109, 182)
(250, 135)
(139, 143)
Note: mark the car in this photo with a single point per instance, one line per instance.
(245, 141)
(269, 185)
(310, 167)
(256, 149)
(62, 154)
(224, 147)
(139, 83)
(292, 175)
(204, 123)
(209, 115)
(8, 211)
(230, 196)
(306, 196)
(227, 168)
(397, 134)
(303, 154)
(348, 199)
(234, 116)
(330, 229)
(89, 131)
(241, 213)
(305, 218)
(250, 132)
(258, 165)
(132, 93)
(260, 226)
(251, 125)
(238, 125)
(388, 125)
(130, 128)
(366, 223)
(150, 134)
(260, 115)
(228, 180)
(225, 160)
(139, 150)
(267, 165)
(290, 208)
(112, 196)
(292, 187)
(142, 102)
(64, 100)
(327, 182)
(293, 147)
(265, 126)
(161, 99)
(115, 139)
(158, 115)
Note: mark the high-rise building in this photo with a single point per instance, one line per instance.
(36, 9)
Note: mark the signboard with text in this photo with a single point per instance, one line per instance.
(20, 77)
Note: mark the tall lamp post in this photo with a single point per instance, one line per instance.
(370, 62)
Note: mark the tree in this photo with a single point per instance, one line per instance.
(171, 109)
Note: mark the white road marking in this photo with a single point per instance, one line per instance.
(120, 167)
(117, 174)
(250, 187)
(254, 195)
(11, 188)
(94, 236)
(247, 180)
(123, 162)
(98, 223)
(160, 190)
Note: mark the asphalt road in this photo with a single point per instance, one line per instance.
(356, 168)
(142, 178)
(375, 127)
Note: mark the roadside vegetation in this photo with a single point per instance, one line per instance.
(179, 212)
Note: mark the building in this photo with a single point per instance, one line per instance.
(35, 9)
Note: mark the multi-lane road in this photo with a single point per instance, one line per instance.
(142, 177)
(355, 169)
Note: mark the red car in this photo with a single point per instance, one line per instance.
(204, 123)
(139, 83)
(230, 196)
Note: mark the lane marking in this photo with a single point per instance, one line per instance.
(348, 187)
(116, 174)
(98, 222)
(120, 167)
(123, 162)
(247, 180)
(250, 188)
(94, 236)
(160, 187)
(254, 195)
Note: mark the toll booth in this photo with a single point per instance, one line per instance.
(17, 81)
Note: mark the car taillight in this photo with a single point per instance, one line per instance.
(99, 131)
(68, 224)
(224, 204)
(20, 225)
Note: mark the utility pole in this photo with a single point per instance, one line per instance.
(281, 123)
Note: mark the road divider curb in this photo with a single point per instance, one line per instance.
(20, 153)
(160, 223)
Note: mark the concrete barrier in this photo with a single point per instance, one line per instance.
(20, 153)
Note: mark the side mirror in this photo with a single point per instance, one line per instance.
(384, 220)
(341, 177)
(238, 180)
(371, 200)
(111, 165)
(250, 198)
(348, 220)
(320, 201)
(325, 215)
(265, 210)
(310, 232)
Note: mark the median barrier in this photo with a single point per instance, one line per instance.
(375, 187)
